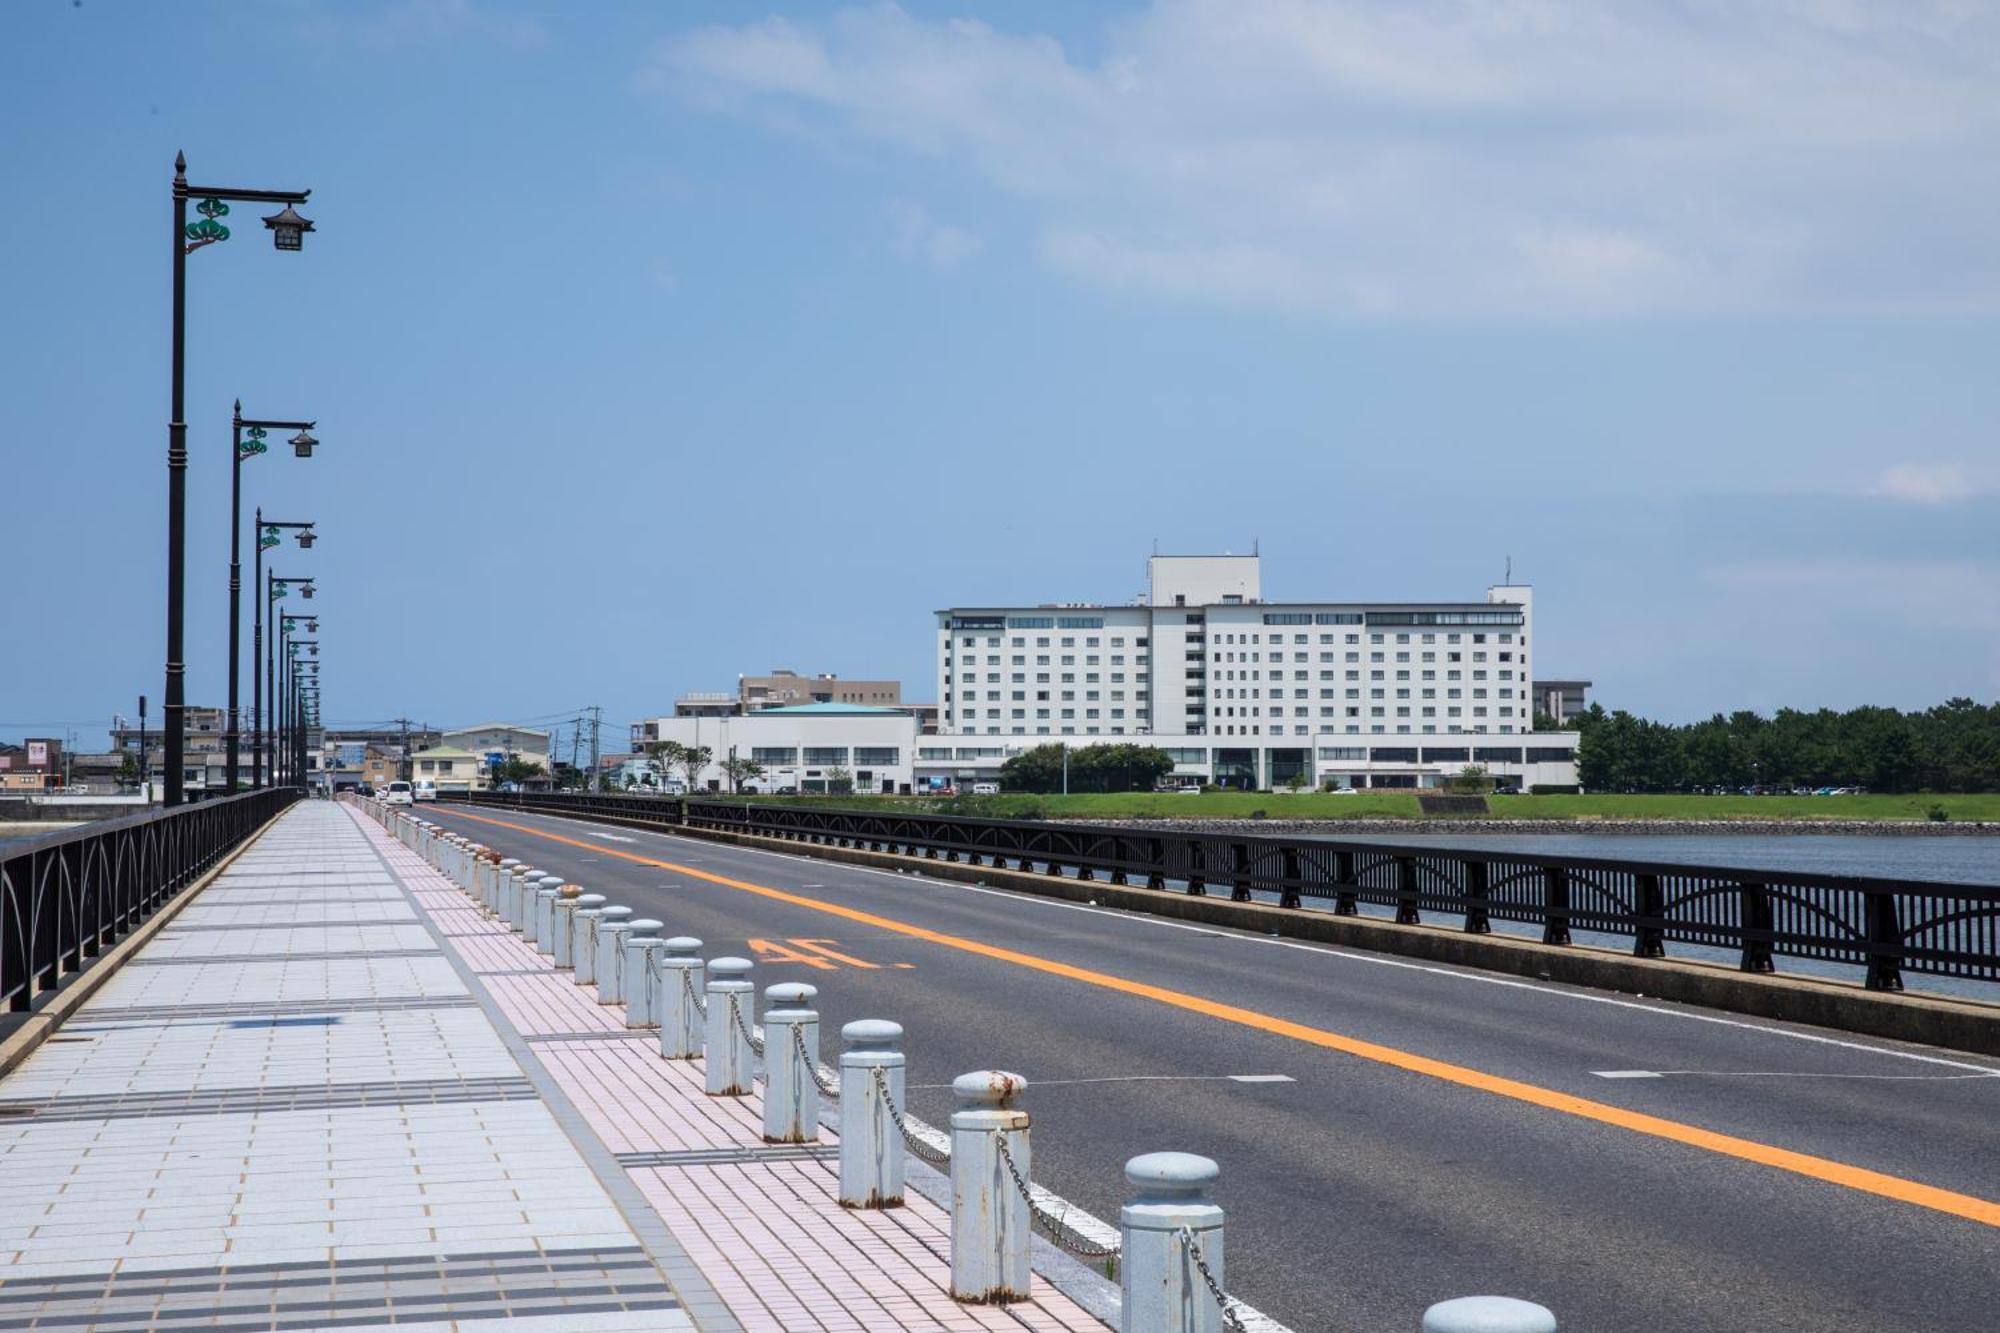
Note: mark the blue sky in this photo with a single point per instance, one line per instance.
(653, 344)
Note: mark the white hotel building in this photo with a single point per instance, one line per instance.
(1240, 691)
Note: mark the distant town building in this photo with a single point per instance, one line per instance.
(786, 689)
(527, 744)
(1562, 699)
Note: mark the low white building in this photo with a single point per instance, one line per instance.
(810, 748)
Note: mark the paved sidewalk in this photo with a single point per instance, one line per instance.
(333, 1094)
(763, 1227)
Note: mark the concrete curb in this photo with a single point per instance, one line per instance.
(42, 1024)
(1962, 1025)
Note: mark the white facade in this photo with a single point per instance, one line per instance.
(1240, 691)
(805, 749)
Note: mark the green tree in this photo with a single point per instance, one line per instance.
(740, 771)
(839, 781)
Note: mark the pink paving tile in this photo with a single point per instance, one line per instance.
(770, 1237)
(537, 1005)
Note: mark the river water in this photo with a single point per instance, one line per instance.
(1950, 858)
(1959, 859)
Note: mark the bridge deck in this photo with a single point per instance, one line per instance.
(329, 1092)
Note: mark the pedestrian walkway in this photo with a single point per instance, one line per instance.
(334, 1094)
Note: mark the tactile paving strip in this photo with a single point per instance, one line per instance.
(514, 1284)
(227, 1101)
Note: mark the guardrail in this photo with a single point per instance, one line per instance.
(1168, 1249)
(68, 896)
(1884, 926)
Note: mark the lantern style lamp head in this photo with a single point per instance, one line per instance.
(306, 591)
(306, 539)
(288, 228)
(302, 444)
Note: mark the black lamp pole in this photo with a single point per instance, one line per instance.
(267, 536)
(239, 450)
(288, 231)
(280, 587)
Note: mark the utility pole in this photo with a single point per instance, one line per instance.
(403, 766)
(145, 760)
(596, 755)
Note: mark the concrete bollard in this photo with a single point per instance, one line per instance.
(731, 1062)
(545, 914)
(589, 911)
(612, 924)
(642, 949)
(791, 1097)
(1488, 1314)
(562, 926)
(540, 914)
(680, 984)
(526, 878)
(1163, 1291)
(871, 1147)
(503, 875)
(517, 884)
(989, 1217)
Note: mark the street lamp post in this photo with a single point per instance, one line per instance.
(267, 537)
(287, 232)
(247, 441)
(277, 588)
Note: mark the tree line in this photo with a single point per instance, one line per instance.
(1091, 768)
(1954, 747)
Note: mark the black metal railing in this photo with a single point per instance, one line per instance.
(67, 897)
(1884, 926)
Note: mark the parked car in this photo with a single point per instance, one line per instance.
(985, 789)
(365, 789)
(398, 793)
(426, 790)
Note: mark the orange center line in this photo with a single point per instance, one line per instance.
(1728, 1145)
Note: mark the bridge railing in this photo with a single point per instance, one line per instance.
(67, 897)
(1883, 926)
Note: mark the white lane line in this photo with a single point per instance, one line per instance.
(1482, 978)
(1785, 1073)
(1034, 1082)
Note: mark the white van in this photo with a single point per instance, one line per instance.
(427, 790)
(397, 793)
(985, 789)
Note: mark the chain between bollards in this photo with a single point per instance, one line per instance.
(1223, 1300)
(1052, 1224)
(923, 1148)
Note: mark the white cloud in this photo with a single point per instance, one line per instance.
(1520, 158)
(1927, 483)
(918, 235)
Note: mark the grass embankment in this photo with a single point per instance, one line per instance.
(1403, 805)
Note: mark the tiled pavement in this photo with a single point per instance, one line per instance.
(290, 1112)
(334, 1094)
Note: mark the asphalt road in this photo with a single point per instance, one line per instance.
(1441, 1132)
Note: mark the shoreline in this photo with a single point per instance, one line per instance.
(1908, 828)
